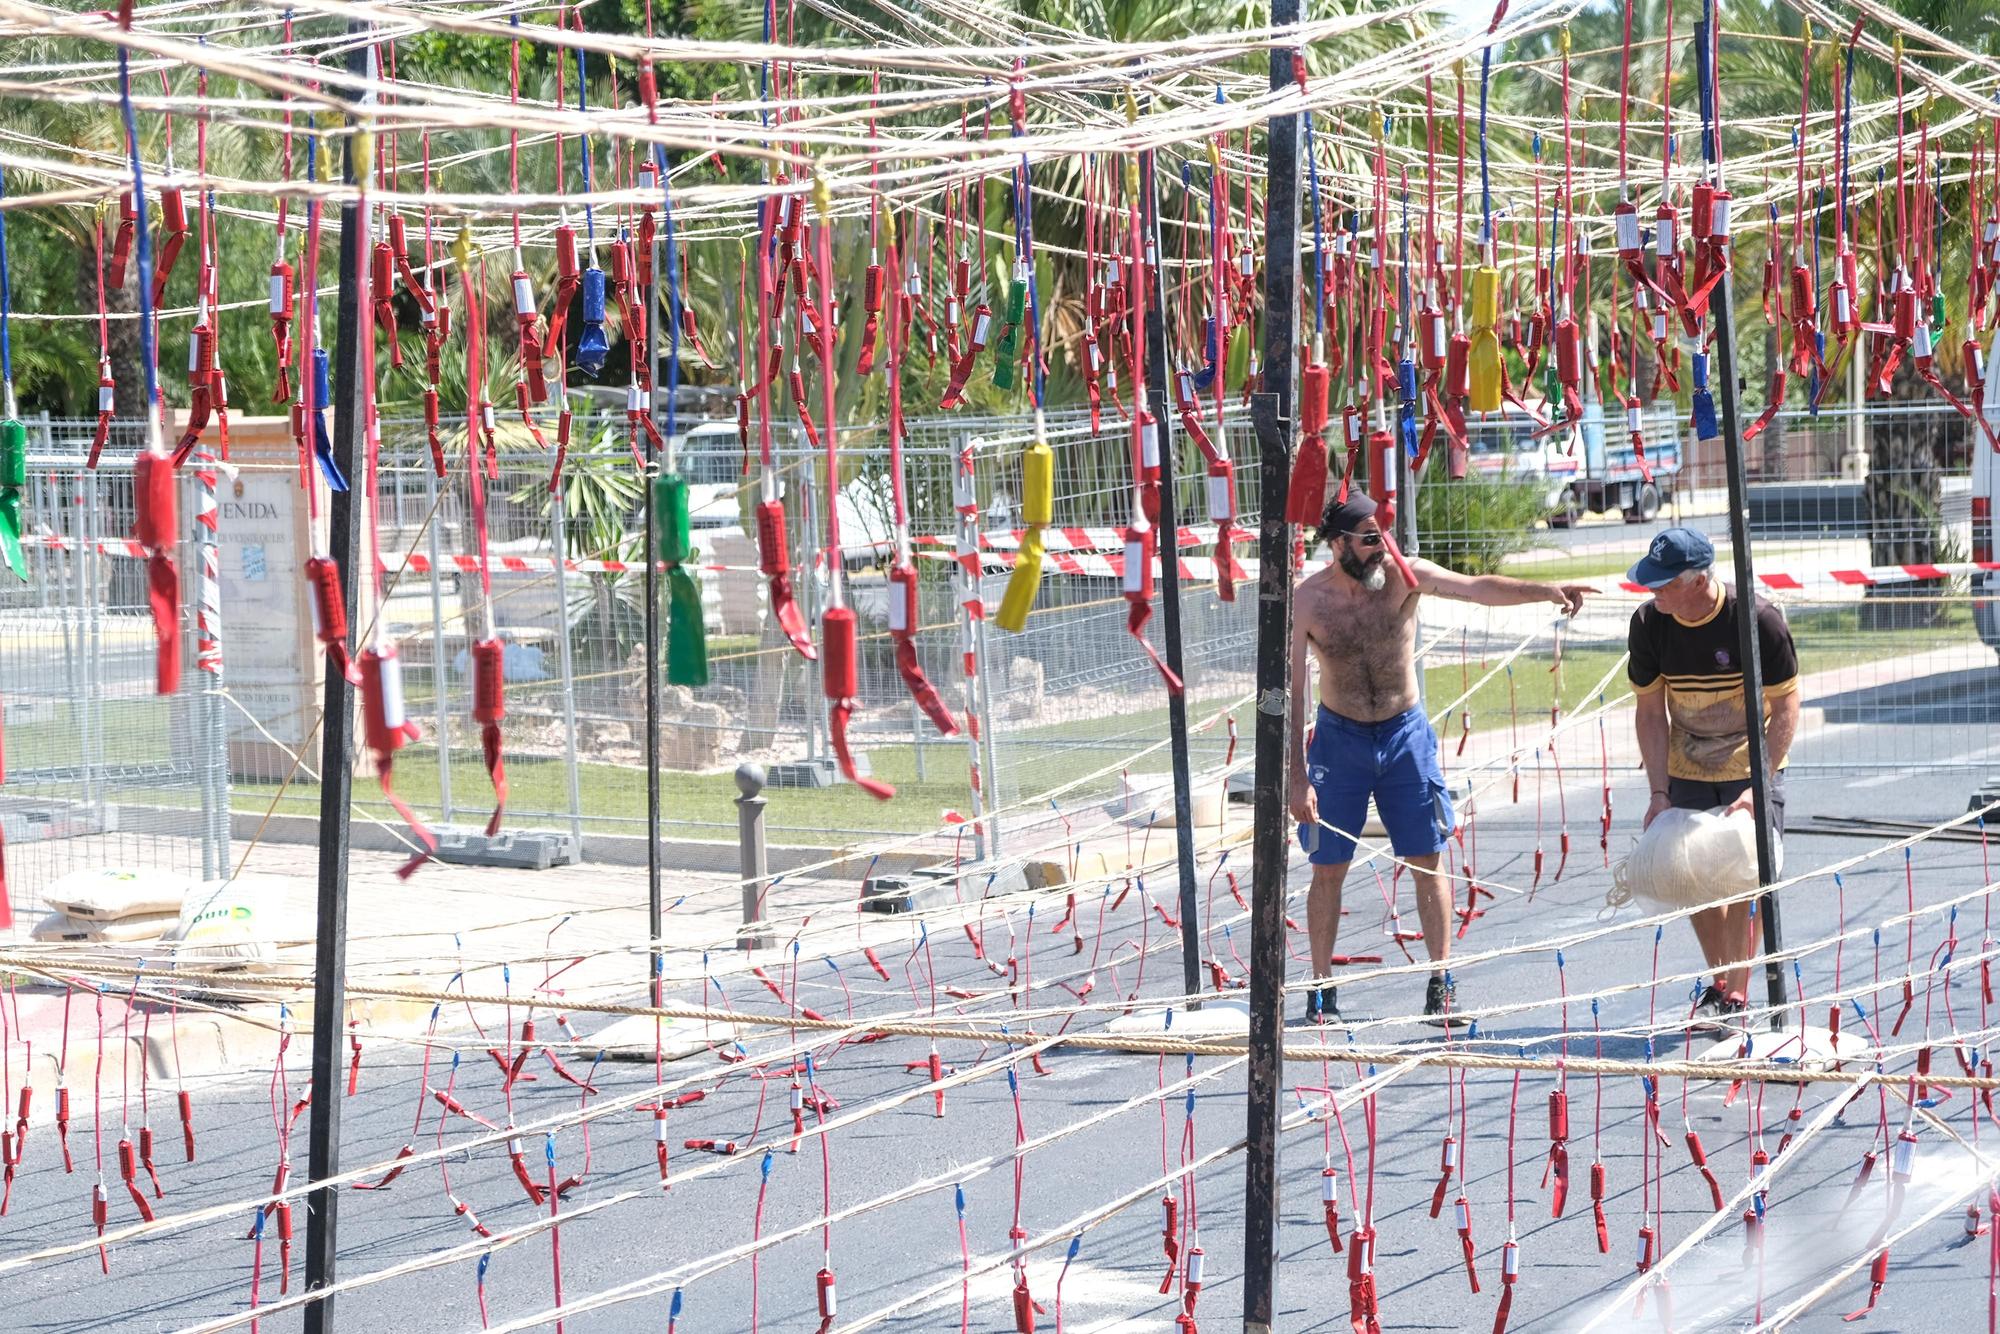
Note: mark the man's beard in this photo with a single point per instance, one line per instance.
(1370, 574)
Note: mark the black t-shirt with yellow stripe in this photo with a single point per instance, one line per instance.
(1695, 662)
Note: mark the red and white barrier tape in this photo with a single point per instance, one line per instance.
(1078, 561)
(1078, 539)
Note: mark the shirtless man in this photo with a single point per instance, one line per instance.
(1370, 736)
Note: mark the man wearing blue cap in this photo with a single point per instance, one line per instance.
(1370, 735)
(1690, 719)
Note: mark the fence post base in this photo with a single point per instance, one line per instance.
(755, 857)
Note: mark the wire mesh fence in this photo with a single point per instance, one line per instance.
(1900, 673)
(100, 767)
(1070, 695)
(1863, 525)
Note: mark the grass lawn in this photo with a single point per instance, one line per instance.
(1547, 565)
(135, 732)
(1555, 569)
(614, 796)
(1031, 759)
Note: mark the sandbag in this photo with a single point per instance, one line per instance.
(108, 893)
(1687, 859)
(233, 923)
(61, 927)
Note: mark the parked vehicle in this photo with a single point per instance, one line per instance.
(1587, 471)
(712, 461)
(1985, 490)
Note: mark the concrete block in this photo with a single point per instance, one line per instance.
(1043, 874)
(523, 849)
(212, 1044)
(633, 1037)
(1217, 1018)
(978, 880)
(911, 891)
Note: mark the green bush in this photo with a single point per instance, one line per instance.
(1472, 526)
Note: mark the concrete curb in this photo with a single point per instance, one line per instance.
(682, 854)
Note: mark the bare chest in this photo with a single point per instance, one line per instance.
(1365, 645)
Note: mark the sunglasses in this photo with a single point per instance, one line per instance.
(1365, 539)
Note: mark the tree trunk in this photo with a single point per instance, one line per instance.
(1903, 499)
(1773, 465)
(127, 367)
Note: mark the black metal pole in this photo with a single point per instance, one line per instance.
(1747, 652)
(1271, 410)
(1170, 579)
(1722, 303)
(654, 962)
(337, 743)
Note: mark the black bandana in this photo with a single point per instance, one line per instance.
(1346, 516)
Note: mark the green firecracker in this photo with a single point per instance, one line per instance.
(13, 480)
(1008, 353)
(687, 637)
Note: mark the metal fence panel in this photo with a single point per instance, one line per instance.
(1070, 695)
(101, 769)
(1065, 697)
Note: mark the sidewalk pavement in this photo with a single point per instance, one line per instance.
(1489, 751)
(501, 930)
(498, 930)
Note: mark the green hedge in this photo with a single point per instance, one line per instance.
(1472, 526)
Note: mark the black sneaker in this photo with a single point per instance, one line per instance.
(1440, 1000)
(1321, 1006)
(1716, 1011)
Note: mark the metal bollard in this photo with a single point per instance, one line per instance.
(754, 858)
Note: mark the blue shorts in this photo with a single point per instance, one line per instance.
(1396, 762)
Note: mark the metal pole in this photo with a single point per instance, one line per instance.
(75, 653)
(753, 856)
(96, 594)
(965, 492)
(1406, 522)
(215, 748)
(1722, 304)
(39, 559)
(655, 962)
(336, 773)
(1857, 437)
(440, 665)
(1271, 849)
(1170, 580)
(1747, 651)
(568, 668)
(819, 725)
(1406, 538)
(983, 659)
(211, 748)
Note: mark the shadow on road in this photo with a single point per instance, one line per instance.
(1942, 699)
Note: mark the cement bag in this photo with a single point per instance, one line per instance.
(1686, 859)
(139, 926)
(233, 923)
(107, 893)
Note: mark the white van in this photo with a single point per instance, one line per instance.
(711, 458)
(722, 500)
(1985, 490)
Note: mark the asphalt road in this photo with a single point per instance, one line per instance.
(897, 1250)
(1607, 530)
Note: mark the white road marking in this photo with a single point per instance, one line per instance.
(1903, 776)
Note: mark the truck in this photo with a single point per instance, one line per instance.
(1985, 490)
(1586, 471)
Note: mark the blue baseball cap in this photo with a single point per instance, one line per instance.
(1673, 553)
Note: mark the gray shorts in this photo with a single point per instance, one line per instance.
(1692, 794)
